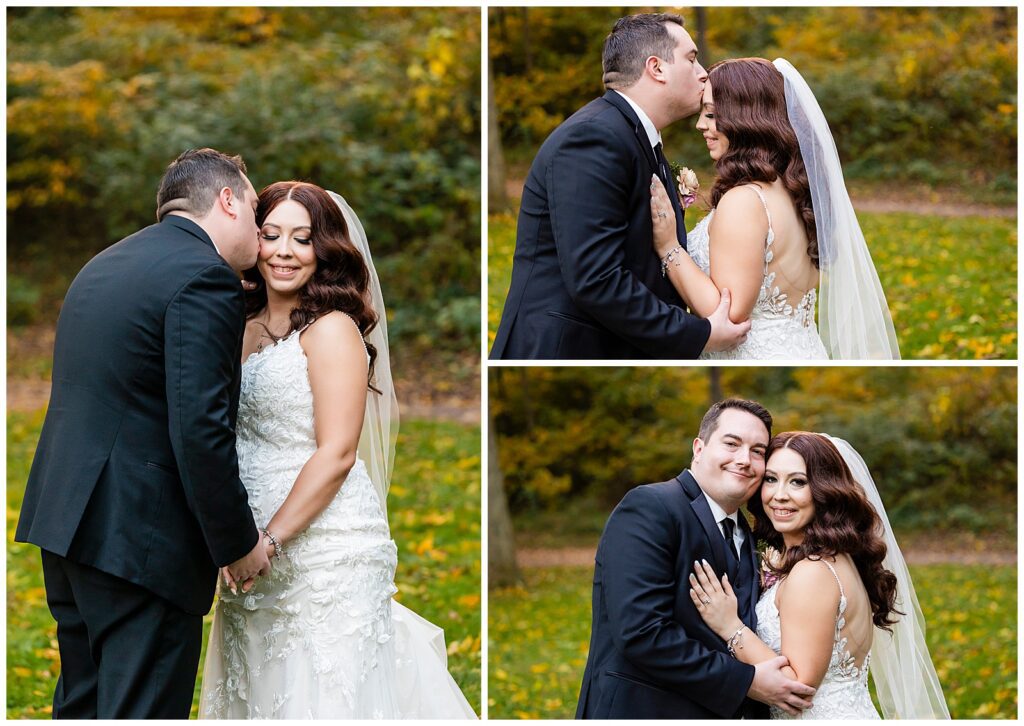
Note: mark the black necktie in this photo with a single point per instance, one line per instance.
(663, 170)
(728, 527)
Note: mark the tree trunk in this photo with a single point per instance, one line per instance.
(703, 52)
(501, 544)
(715, 380)
(527, 46)
(497, 199)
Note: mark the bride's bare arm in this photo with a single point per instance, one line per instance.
(738, 231)
(336, 361)
(717, 605)
(808, 603)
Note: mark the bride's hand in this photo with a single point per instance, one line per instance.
(663, 218)
(714, 600)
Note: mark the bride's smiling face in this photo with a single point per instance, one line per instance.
(287, 259)
(717, 142)
(786, 495)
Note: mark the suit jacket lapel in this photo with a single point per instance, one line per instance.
(642, 139)
(750, 553)
(699, 503)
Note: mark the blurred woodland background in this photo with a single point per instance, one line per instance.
(941, 444)
(922, 103)
(382, 105)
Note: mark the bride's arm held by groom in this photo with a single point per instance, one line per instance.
(337, 367)
(738, 231)
(808, 601)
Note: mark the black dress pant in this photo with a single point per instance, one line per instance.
(124, 652)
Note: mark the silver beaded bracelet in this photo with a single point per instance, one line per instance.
(732, 641)
(273, 540)
(668, 258)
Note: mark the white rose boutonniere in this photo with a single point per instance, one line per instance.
(688, 186)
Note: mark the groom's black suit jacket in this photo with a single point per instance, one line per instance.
(135, 473)
(586, 282)
(651, 655)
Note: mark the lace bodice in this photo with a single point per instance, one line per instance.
(843, 693)
(320, 636)
(778, 328)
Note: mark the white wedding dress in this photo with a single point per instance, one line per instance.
(779, 330)
(843, 693)
(321, 636)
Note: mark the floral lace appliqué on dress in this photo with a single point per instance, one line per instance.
(320, 637)
(843, 693)
(779, 330)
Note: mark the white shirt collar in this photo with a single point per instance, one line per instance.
(653, 135)
(717, 512)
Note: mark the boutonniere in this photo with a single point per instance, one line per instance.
(769, 557)
(688, 184)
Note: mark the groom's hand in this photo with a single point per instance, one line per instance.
(255, 564)
(725, 334)
(772, 686)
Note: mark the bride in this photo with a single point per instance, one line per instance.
(321, 636)
(842, 600)
(782, 235)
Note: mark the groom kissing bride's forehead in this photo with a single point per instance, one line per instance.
(585, 283)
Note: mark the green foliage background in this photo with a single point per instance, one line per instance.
(941, 443)
(378, 104)
(434, 511)
(538, 640)
(921, 94)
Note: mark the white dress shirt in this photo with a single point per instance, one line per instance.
(719, 514)
(653, 135)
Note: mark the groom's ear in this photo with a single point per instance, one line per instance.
(698, 446)
(226, 199)
(652, 66)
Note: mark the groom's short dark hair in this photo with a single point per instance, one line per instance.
(709, 423)
(192, 182)
(633, 40)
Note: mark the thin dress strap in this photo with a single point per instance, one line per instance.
(358, 330)
(768, 254)
(842, 595)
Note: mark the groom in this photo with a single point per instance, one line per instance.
(651, 655)
(134, 496)
(586, 282)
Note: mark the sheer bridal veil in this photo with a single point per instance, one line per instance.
(905, 679)
(853, 318)
(380, 420)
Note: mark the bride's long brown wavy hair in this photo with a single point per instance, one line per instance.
(844, 522)
(750, 111)
(341, 280)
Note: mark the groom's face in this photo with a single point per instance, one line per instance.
(686, 76)
(730, 464)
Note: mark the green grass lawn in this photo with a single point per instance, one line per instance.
(951, 282)
(539, 633)
(434, 510)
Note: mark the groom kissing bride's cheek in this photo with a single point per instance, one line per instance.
(603, 266)
(181, 416)
(684, 627)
